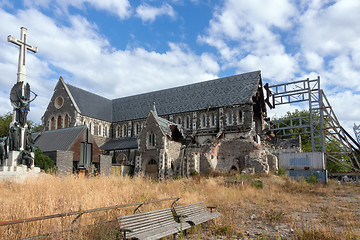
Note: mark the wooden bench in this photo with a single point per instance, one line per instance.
(151, 225)
(195, 213)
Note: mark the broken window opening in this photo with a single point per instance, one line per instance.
(241, 120)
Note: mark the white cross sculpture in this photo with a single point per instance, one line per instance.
(21, 75)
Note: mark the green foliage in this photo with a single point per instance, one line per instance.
(281, 172)
(34, 127)
(5, 121)
(194, 173)
(42, 161)
(331, 144)
(256, 182)
(305, 138)
(312, 179)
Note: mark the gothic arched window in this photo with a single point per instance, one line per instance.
(100, 130)
(203, 120)
(151, 139)
(187, 122)
(213, 120)
(52, 123)
(230, 118)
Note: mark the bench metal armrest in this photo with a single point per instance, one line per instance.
(211, 208)
(125, 230)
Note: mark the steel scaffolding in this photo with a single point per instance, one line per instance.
(357, 132)
(321, 124)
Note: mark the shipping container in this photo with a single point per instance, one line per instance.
(302, 161)
(321, 175)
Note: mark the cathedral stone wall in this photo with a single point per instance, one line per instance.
(59, 106)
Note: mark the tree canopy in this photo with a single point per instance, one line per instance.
(330, 146)
(5, 121)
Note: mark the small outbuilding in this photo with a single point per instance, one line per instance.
(73, 149)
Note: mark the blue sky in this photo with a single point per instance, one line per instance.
(117, 48)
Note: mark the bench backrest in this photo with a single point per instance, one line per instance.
(191, 209)
(147, 221)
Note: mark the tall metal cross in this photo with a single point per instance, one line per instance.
(21, 75)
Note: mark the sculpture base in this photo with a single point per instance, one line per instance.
(12, 159)
(13, 171)
(18, 173)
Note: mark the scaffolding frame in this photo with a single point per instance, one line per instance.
(357, 132)
(322, 124)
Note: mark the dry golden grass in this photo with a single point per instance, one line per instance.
(281, 207)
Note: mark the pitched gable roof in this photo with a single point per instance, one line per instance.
(59, 139)
(90, 104)
(238, 89)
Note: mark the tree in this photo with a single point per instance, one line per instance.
(331, 145)
(293, 116)
(6, 119)
(42, 161)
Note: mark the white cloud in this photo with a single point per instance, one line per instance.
(243, 33)
(329, 37)
(149, 13)
(120, 8)
(85, 58)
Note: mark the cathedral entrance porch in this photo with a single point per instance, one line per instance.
(151, 169)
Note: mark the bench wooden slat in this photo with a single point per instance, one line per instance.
(161, 223)
(196, 213)
(151, 225)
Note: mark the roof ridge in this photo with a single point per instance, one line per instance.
(190, 85)
(64, 129)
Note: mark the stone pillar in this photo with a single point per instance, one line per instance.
(221, 118)
(129, 129)
(138, 164)
(194, 121)
(162, 164)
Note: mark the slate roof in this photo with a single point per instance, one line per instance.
(232, 90)
(90, 104)
(59, 139)
(227, 91)
(120, 143)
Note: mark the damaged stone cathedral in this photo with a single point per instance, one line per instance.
(211, 125)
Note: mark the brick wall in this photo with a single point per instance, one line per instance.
(63, 161)
(105, 165)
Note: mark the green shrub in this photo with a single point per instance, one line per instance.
(281, 172)
(42, 161)
(312, 179)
